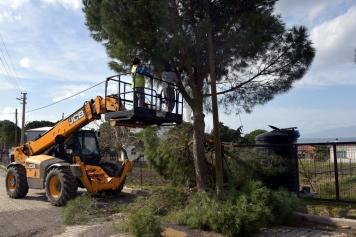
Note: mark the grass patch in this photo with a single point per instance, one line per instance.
(142, 177)
(347, 189)
(327, 208)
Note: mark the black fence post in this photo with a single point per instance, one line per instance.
(337, 188)
(296, 167)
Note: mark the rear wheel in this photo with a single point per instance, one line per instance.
(60, 186)
(113, 171)
(16, 182)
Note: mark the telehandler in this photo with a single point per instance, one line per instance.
(67, 157)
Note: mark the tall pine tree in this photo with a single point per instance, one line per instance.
(255, 56)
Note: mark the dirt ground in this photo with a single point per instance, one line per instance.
(303, 223)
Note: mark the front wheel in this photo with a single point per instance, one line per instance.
(60, 186)
(16, 182)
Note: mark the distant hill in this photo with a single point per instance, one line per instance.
(333, 133)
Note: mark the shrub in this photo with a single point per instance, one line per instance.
(241, 212)
(77, 209)
(142, 223)
(145, 212)
(160, 201)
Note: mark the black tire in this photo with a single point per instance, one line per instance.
(60, 185)
(16, 182)
(113, 171)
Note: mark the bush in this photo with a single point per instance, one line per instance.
(145, 212)
(160, 201)
(142, 223)
(76, 210)
(241, 212)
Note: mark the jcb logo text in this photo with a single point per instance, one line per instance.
(75, 117)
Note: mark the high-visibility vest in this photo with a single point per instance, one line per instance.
(139, 79)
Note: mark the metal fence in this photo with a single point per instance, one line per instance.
(327, 171)
(324, 171)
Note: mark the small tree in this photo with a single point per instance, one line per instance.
(227, 134)
(114, 139)
(249, 138)
(322, 153)
(7, 133)
(39, 124)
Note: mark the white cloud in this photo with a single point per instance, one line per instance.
(7, 15)
(68, 4)
(308, 12)
(13, 3)
(316, 11)
(69, 91)
(8, 113)
(334, 39)
(328, 76)
(25, 62)
(18, 17)
(112, 88)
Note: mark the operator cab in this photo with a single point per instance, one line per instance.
(84, 144)
(155, 110)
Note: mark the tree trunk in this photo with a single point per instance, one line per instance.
(202, 171)
(214, 102)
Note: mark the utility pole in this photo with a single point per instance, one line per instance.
(15, 127)
(23, 117)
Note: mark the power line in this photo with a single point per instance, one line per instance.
(11, 61)
(59, 100)
(12, 76)
(66, 98)
(9, 78)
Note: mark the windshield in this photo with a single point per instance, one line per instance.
(88, 143)
(84, 141)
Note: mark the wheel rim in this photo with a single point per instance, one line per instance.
(11, 182)
(55, 186)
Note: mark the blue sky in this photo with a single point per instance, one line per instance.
(53, 57)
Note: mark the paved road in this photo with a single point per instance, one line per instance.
(30, 216)
(34, 216)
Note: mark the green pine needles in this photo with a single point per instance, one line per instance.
(235, 212)
(242, 212)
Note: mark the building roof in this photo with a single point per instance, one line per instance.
(39, 129)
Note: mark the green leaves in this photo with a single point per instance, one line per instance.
(7, 133)
(255, 56)
(170, 154)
